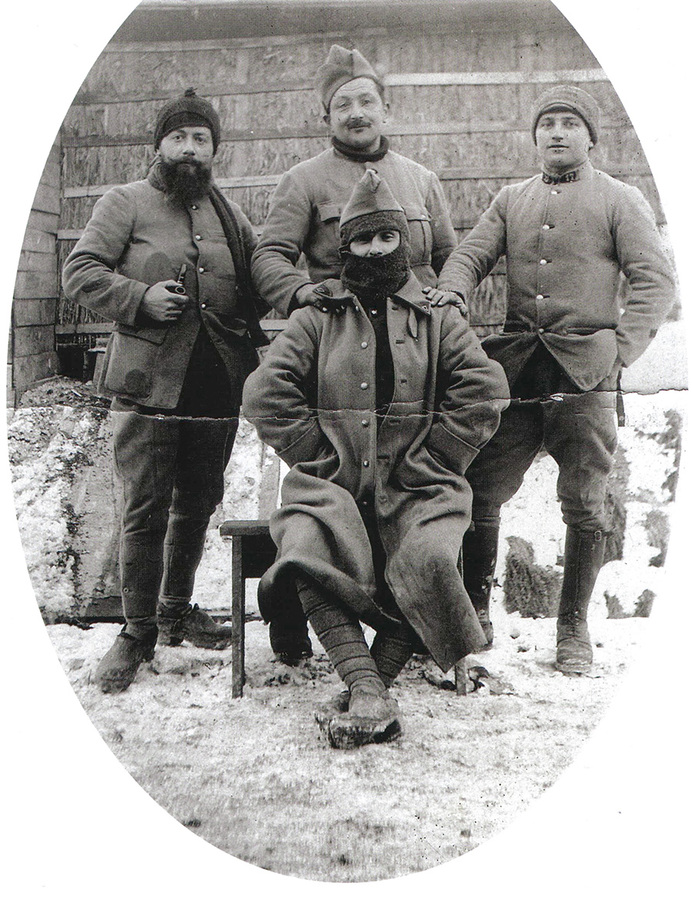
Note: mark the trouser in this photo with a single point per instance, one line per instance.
(171, 472)
(576, 428)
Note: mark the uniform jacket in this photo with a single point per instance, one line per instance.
(304, 216)
(135, 238)
(313, 400)
(566, 245)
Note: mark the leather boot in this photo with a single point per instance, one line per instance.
(117, 669)
(288, 630)
(478, 568)
(583, 560)
(190, 623)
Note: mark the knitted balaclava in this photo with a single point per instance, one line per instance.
(341, 66)
(571, 99)
(187, 111)
(372, 207)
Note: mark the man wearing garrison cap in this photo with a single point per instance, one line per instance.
(167, 258)
(307, 203)
(567, 234)
(375, 504)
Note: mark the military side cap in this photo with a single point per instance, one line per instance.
(371, 197)
(341, 66)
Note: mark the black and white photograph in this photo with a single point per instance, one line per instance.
(345, 498)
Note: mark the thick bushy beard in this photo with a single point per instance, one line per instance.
(375, 276)
(185, 181)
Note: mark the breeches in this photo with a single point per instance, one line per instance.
(577, 429)
(171, 473)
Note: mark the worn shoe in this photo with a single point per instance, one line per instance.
(574, 654)
(290, 646)
(195, 626)
(117, 669)
(325, 712)
(371, 719)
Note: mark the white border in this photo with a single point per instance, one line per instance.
(78, 826)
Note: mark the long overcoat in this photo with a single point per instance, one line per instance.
(313, 400)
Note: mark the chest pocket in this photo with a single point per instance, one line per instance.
(329, 214)
(419, 225)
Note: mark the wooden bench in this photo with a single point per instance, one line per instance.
(252, 553)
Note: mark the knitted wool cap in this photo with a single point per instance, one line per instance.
(187, 111)
(371, 198)
(342, 65)
(573, 99)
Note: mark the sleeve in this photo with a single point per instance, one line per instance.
(276, 395)
(472, 392)
(89, 276)
(479, 251)
(443, 234)
(284, 234)
(644, 262)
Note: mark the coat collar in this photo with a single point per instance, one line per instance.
(412, 295)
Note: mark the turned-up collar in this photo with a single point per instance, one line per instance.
(410, 293)
(362, 155)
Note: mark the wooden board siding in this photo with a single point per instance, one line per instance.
(35, 298)
(460, 104)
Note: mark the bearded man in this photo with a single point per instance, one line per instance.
(167, 258)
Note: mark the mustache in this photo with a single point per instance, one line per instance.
(357, 123)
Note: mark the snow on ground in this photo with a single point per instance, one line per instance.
(254, 777)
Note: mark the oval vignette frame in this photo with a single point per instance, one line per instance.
(89, 825)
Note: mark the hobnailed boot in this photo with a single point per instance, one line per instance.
(194, 625)
(117, 669)
(583, 560)
(371, 719)
(478, 568)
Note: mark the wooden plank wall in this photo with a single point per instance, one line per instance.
(32, 343)
(460, 103)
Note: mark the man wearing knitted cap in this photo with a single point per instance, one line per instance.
(378, 412)
(167, 258)
(567, 234)
(308, 201)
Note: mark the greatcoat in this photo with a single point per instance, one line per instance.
(313, 400)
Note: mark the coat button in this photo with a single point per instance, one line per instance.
(364, 386)
(546, 227)
(373, 312)
(198, 237)
(542, 262)
(541, 330)
(366, 463)
(203, 305)
(364, 423)
(554, 191)
(539, 296)
(364, 344)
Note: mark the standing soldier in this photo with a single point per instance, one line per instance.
(168, 259)
(567, 234)
(310, 197)
(304, 218)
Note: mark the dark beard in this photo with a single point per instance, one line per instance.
(185, 181)
(375, 276)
